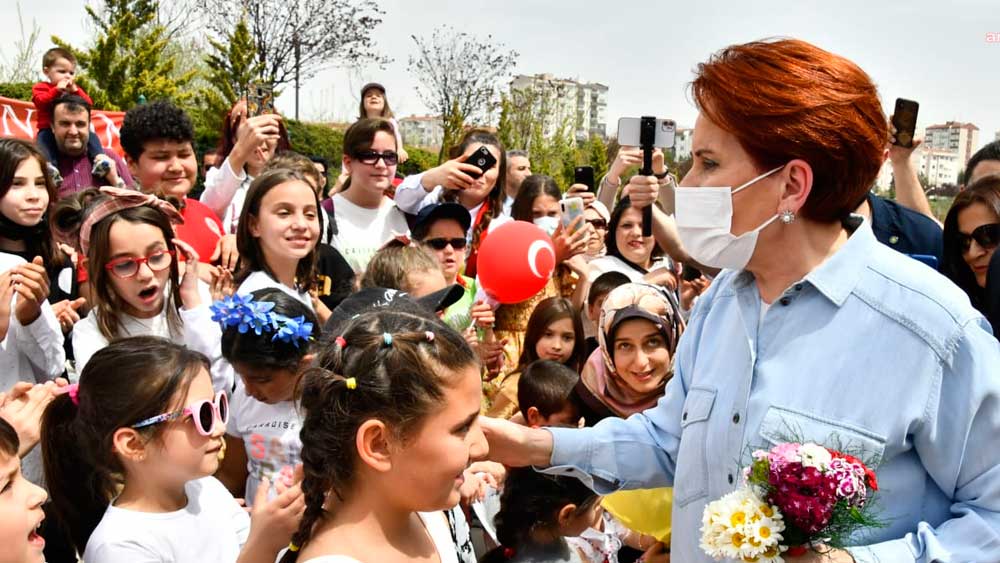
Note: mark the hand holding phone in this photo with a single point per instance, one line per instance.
(260, 99)
(482, 159)
(572, 207)
(904, 119)
(584, 175)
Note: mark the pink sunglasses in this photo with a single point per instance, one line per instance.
(203, 414)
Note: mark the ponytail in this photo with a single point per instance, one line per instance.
(129, 380)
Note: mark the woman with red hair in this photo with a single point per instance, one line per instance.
(809, 330)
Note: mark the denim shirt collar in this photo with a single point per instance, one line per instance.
(839, 274)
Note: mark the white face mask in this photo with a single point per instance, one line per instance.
(705, 220)
(547, 224)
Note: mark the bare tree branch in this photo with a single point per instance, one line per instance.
(24, 65)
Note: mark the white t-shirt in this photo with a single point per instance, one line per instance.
(198, 332)
(225, 192)
(605, 264)
(437, 527)
(212, 527)
(270, 435)
(260, 280)
(363, 231)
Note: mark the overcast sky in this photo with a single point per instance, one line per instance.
(935, 52)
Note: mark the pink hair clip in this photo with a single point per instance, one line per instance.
(340, 341)
(73, 389)
(430, 336)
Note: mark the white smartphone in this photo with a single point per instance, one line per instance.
(572, 207)
(629, 130)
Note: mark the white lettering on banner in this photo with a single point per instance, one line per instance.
(110, 130)
(9, 115)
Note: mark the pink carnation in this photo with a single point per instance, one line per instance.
(783, 454)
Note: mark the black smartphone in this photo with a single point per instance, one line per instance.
(690, 273)
(904, 119)
(584, 175)
(482, 159)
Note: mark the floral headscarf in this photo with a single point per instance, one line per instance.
(632, 300)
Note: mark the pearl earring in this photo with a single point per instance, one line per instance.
(787, 216)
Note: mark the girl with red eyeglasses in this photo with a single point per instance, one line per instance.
(133, 268)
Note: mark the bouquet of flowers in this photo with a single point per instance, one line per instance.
(794, 495)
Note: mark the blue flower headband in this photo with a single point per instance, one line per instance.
(248, 315)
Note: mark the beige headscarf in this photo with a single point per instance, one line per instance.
(629, 301)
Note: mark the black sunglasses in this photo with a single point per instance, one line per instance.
(598, 223)
(442, 243)
(371, 157)
(986, 236)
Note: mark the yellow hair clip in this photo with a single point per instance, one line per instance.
(292, 547)
(351, 383)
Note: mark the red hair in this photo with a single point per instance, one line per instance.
(787, 99)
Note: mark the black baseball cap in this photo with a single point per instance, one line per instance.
(427, 216)
(373, 298)
(371, 85)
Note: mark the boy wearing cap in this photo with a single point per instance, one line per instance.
(440, 230)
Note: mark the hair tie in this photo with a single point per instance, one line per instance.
(387, 339)
(292, 547)
(73, 390)
(339, 341)
(118, 200)
(430, 336)
(351, 383)
(508, 552)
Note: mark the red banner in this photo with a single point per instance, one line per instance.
(18, 118)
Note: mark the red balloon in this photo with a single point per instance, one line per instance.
(515, 261)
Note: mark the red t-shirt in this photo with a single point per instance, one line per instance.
(42, 95)
(202, 228)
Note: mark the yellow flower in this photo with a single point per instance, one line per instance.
(737, 539)
(738, 518)
(766, 510)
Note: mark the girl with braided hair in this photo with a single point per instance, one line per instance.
(391, 423)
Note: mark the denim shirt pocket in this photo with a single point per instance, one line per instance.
(781, 425)
(691, 479)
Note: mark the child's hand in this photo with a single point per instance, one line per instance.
(272, 522)
(222, 283)
(482, 315)
(22, 408)
(66, 312)
(226, 253)
(657, 553)
(31, 282)
(189, 283)
(64, 84)
(6, 294)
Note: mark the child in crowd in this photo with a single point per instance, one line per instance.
(145, 426)
(479, 192)
(133, 271)
(391, 423)
(366, 217)
(59, 67)
(406, 268)
(599, 291)
(158, 139)
(545, 395)
(20, 504)
(30, 263)
(262, 439)
(248, 143)
(334, 275)
(537, 513)
(555, 332)
(374, 104)
(440, 230)
(277, 237)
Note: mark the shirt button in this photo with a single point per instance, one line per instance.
(684, 416)
(893, 239)
(730, 478)
(785, 301)
(798, 287)
(736, 418)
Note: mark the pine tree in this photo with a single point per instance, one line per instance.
(233, 64)
(128, 57)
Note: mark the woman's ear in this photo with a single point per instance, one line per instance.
(373, 443)
(128, 443)
(254, 225)
(798, 176)
(345, 161)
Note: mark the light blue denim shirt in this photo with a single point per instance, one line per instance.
(871, 352)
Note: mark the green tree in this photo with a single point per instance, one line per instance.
(129, 57)
(232, 64)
